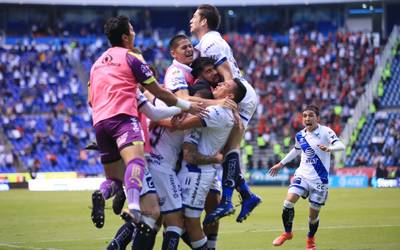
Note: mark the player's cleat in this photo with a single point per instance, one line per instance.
(118, 201)
(247, 206)
(310, 245)
(98, 203)
(132, 216)
(223, 209)
(282, 238)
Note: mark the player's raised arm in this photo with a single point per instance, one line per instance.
(224, 69)
(288, 158)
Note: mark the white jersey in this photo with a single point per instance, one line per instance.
(214, 46)
(315, 163)
(165, 146)
(211, 138)
(178, 77)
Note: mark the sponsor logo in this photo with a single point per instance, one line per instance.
(146, 70)
(107, 59)
(297, 180)
(136, 176)
(135, 125)
(122, 139)
(175, 189)
(209, 47)
(311, 161)
(196, 187)
(309, 152)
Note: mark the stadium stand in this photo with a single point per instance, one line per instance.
(46, 117)
(47, 121)
(379, 139)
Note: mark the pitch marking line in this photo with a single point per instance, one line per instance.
(25, 247)
(306, 228)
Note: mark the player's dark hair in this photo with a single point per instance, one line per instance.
(173, 43)
(201, 89)
(199, 64)
(313, 108)
(115, 27)
(211, 14)
(239, 91)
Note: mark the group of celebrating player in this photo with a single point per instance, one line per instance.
(172, 170)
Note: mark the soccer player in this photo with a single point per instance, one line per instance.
(196, 175)
(203, 70)
(114, 78)
(166, 145)
(314, 143)
(203, 26)
(207, 77)
(165, 148)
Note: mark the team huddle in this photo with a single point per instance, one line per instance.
(187, 159)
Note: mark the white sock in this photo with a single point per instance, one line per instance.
(199, 243)
(177, 230)
(288, 204)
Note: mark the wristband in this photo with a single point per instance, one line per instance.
(182, 104)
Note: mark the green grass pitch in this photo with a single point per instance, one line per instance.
(352, 219)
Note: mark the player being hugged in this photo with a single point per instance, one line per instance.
(204, 25)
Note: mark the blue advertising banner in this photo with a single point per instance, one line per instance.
(261, 177)
(348, 181)
(385, 183)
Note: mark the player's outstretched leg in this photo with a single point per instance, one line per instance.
(98, 204)
(249, 199)
(287, 219)
(232, 178)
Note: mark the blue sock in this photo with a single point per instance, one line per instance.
(227, 194)
(231, 171)
(243, 188)
(122, 238)
(171, 238)
(313, 228)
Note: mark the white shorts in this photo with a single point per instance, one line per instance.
(148, 185)
(216, 186)
(196, 184)
(315, 190)
(168, 189)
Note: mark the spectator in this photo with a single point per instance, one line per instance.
(381, 171)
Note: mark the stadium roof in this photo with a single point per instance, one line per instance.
(177, 3)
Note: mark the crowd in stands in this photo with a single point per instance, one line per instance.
(48, 122)
(46, 118)
(376, 140)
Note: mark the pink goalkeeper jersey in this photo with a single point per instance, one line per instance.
(113, 83)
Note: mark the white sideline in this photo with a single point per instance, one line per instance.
(25, 247)
(306, 228)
